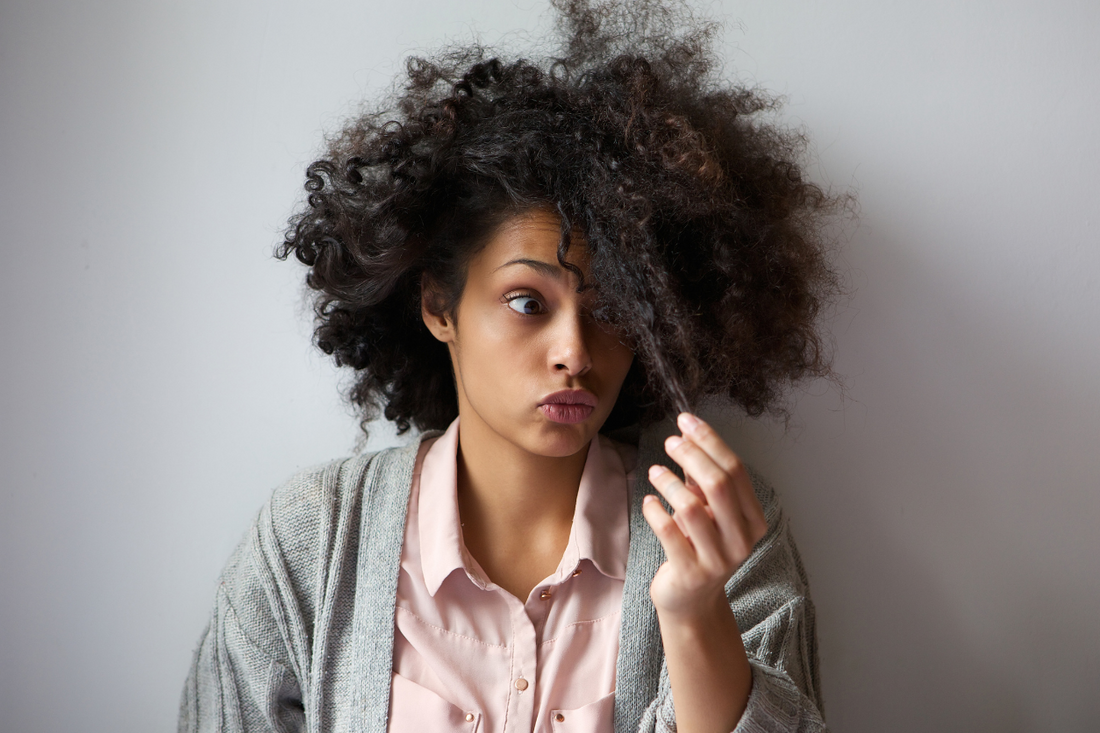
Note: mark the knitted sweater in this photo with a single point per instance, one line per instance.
(301, 635)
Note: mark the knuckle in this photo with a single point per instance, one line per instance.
(690, 509)
(720, 485)
(712, 569)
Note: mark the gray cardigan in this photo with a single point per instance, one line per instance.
(301, 635)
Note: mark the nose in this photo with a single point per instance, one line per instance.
(569, 345)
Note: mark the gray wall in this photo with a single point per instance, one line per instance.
(158, 380)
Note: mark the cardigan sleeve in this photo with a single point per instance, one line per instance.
(234, 686)
(252, 663)
(769, 595)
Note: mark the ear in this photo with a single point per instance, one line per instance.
(438, 322)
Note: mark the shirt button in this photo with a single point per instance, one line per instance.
(469, 717)
(559, 718)
(576, 572)
(521, 684)
(545, 594)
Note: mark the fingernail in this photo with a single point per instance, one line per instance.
(656, 470)
(648, 498)
(688, 422)
(672, 442)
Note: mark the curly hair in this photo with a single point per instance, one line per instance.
(704, 239)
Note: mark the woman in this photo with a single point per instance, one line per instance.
(542, 261)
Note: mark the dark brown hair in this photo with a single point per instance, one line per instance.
(703, 235)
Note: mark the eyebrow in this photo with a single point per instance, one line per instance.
(539, 266)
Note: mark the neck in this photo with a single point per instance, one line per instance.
(516, 507)
(521, 488)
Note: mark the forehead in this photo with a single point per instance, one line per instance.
(531, 235)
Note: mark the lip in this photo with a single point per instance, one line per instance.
(569, 406)
(570, 397)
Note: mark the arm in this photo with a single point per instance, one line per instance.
(241, 678)
(250, 671)
(719, 678)
(708, 668)
(235, 686)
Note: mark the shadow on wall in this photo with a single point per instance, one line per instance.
(946, 508)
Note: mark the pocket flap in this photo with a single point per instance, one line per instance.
(598, 715)
(414, 709)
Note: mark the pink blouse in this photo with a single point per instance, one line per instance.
(470, 656)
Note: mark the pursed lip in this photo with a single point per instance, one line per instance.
(570, 397)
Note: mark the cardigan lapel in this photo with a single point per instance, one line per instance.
(641, 655)
(386, 489)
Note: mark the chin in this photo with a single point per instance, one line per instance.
(559, 440)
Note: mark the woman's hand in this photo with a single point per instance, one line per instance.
(717, 521)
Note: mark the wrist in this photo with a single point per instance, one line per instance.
(702, 615)
(708, 667)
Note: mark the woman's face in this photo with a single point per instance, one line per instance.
(522, 333)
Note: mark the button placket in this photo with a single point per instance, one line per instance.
(525, 669)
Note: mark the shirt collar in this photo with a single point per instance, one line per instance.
(600, 531)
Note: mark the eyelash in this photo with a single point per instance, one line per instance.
(597, 317)
(516, 296)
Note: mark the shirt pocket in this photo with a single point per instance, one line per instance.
(595, 717)
(415, 709)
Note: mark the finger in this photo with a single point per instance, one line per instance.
(667, 490)
(707, 438)
(693, 487)
(715, 485)
(691, 514)
(677, 548)
(751, 508)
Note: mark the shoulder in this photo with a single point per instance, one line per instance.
(273, 572)
(310, 498)
(318, 496)
(312, 519)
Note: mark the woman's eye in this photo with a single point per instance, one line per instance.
(525, 304)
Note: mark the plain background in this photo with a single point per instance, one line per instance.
(158, 380)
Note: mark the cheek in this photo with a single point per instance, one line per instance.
(496, 349)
